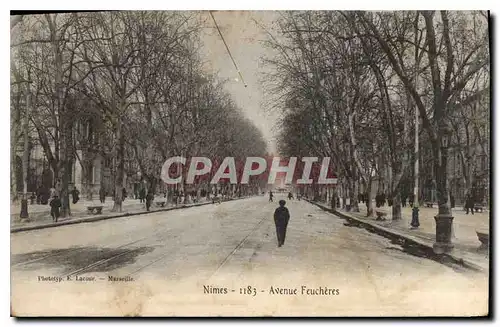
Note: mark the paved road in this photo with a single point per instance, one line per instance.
(180, 260)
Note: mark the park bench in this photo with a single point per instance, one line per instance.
(484, 238)
(478, 206)
(429, 204)
(95, 210)
(161, 203)
(380, 214)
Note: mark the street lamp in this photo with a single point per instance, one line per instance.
(414, 214)
(444, 219)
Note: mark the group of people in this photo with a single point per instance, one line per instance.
(55, 202)
(290, 196)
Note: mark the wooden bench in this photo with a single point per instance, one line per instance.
(94, 210)
(484, 238)
(380, 215)
(429, 204)
(161, 203)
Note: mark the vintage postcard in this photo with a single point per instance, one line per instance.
(250, 163)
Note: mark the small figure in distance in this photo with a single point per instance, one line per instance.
(149, 199)
(270, 196)
(290, 196)
(281, 218)
(55, 204)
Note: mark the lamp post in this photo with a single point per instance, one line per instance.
(444, 219)
(414, 215)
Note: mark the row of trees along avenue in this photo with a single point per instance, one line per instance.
(139, 79)
(349, 83)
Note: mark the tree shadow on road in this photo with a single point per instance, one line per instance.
(74, 258)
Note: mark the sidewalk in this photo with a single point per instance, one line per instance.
(40, 214)
(464, 238)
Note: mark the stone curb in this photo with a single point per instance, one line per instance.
(407, 239)
(105, 217)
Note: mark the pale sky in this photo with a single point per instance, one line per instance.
(243, 38)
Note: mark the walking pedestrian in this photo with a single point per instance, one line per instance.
(76, 195)
(469, 204)
(290, 196)
(142, 195)
(55, 204)
(281, 218)
(149, 200)
(102, 195)
(270, 196)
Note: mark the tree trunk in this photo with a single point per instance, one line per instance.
(65, 164)
(13, 146)
(441, 185)
(334, 198)
(369, 204)
(396, 206)
(344, 193)
(26, 150)
(120, 168)
(354, 201)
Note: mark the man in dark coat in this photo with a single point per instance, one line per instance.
(76, 195)
(469, 204)
(55, 204)
(142, 195)
(149, 200)
(102, 194)
(270, 196)
(281, 218)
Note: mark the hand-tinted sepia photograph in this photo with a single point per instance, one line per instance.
(250, 164)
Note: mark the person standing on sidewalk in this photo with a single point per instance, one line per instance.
(102, 194)
(469, 204)
(149, 200)
(142, 195)
(270, 196)
(55, 204)
(124, 194)
(281, 218)
(76, 195)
